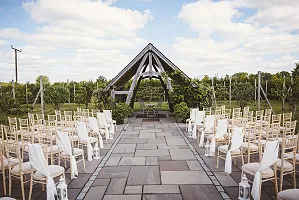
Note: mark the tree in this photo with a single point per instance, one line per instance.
(45, 80)
(87, 93)
(56, 95)
(243, 93)
(101, 99)
(294, 94)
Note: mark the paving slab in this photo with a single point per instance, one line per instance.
(122, 197)
(116, 186)
(157, 152)
(163, 189)
(113, 161)
(184, 177)
(151, 160)
(114, 172)
(162, 197)
(225, 180)
(133, 189)
(200, 192)
(171, 165)
(147, 135)
(143, 175)
(156, 141)
(133, 141)
(181, 154)
(95, 193)
(175, 141)
(146, 146)
(125, 148)
(132, 161)
(101, 182)
(194, 165)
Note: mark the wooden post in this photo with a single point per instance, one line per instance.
(284, 88)
(26, 95)
(254, 89)
(214, 95)
(68, 87)
(13, 89)
(259, 91)
(266, 88)
(230, 91)
(42, 97)
(74, 92)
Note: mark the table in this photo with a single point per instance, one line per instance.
(151, 107)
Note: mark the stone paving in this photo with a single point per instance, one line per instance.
(153, 161)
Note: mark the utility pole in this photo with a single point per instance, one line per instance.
(230, 91)
(259, 91)
(16, 60)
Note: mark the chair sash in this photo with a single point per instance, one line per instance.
(65, 144)
(38, 162)
(83, 135)
(192, 118)
(269, 158)
(93, 125)
(220, 132)
(236, 143)
(103, 124)
(199, 117)
(208, 124)
(108, 118)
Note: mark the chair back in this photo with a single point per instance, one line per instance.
(52, 117)
(58, 115)
(192, 113)
(209, 123)
(221, 129)
(199, 117)
(13, 153)
(13, 122)
(25, 130)
(208, 110)
(268, 112)
(259, 115)
(289, 128)
(286, 117)
(108, 115)
(276, 118)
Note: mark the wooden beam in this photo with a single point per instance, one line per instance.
(150, 74)
(150, 63)
(158, 63)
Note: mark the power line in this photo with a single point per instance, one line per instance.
(16, 60)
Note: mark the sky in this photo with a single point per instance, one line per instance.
(83, 39)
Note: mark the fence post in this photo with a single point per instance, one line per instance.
(259, 91)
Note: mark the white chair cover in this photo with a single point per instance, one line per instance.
(83, 135)
(93, 125)
(65, 144)
(199, 117)
(220, 132)
(103, 124)
(269, 158)
(108, 117)
(236, 143)
(38, 162)
(208, 124)
(192, 118)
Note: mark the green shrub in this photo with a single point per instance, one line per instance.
(120, 111)
(181, 111)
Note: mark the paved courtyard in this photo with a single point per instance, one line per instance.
(153, 161)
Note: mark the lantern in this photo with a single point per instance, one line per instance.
(244, 189)
(61, 188)
(96, 152)
(207, 148)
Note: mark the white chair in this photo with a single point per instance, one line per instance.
(108, 115)
(199, 117)
(207, 128)
(191, 119)
(262, 171)
(44, 173)
(84, 139)
(221, 130)
(104, 127)
(96, 131)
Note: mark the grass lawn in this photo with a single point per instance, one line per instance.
(49, 109)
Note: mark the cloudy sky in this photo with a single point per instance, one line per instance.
(82, 39)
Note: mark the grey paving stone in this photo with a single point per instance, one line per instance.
(194, 165)
(152, 130)
(122, 155)
(114, 172)
(162, 197)
(116, 186)
(132, 161)
(146, 146)
(113, 161)
(164, 158)
(175, 141)
(200, 192)
(173, 165)
(151, 160)
(181, 154)
(164, 134)
(184, 177)
(225, 180)
(147, 135)
(101, 182)
(156, 141)
(122, 197)
(143, 175)
(80, 181)
(133, 141)
(95, 193)
(163, 189)
(156, 152)
(125, 148)
(168, 147)
(133, 189)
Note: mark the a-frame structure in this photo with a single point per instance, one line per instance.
(149, 63)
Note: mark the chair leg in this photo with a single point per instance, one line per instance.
(242, 157)
(294, 177)
(248, 156)
(217, 162)
(22, 186)
(31, 184)
(83, 160)
(4, 182)
(9, 183)
(281, 179)
(276, 184)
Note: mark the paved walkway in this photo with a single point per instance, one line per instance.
(153, 161)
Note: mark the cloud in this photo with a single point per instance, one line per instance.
(2, 42)
(75, 39)
(226, 45)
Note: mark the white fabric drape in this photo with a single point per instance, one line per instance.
(93, 125)
(199, 117)
(38, 162)
(109, 119)
(220, 132)
(103, 124)
(192, 118)
(236, 143)
(208, 125)
(83, 135)
(65, 144)
(269, 158)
